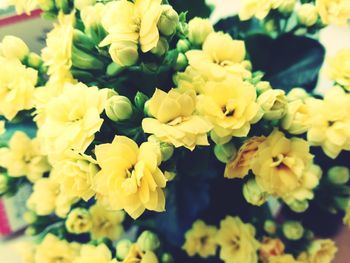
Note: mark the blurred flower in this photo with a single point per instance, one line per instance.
(201, 240)
(285, 258)
(106, 223)
(92, 14)
(293, 230)
(78, 221)
(136, 255)
(198, 30)
(91, 254)
(253, 193)
(295, 121)
(338, 68)
(12, 47)
(273, 103)
(322, 251)
(148, 241)
(338, 175)
(81, 4)
(123, 248)
(270, 248)
(174, 121)
(23, 6)
(297, 94)
(237, 241)
(334, 11)
(307, 14)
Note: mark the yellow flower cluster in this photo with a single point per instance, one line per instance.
(338, 68)
(334, 11)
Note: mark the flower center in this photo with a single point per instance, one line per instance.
(235, 242)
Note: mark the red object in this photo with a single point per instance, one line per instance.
(19, 18)
(5, 228)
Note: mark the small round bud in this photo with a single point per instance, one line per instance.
(34, 60)
(119, 108)
(263, 86)
(225, 152)
(307, 15)
(161, 48)
(270, 25)
(253, 193)
(148, 241)
(183, 45)
(287, 6)
(30, 231)
(168, 21)
(123, 248)
(293, 230)
(247, 65)
(80, 4)
(30, 217)
(273, 102)
(79, 221)
(270, 227)
(181, 62)
(297, 94)
(124, 53)
(219, 140)
(13, 47)
(4, 181)
(167, 258)
(338, 175)
(299, 206)
(198, 30)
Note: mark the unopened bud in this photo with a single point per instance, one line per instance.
(4, 181)
(225, 152)
(273, 102)
(80, 4)
(124, 54)
(30, 217)
(123, 247)
(62, 5)
(198, 30)
(148, 241)
(161, 48)
(13, 47)
(79, 221)
(167, 151)
(338, 175)
(270, 227)
(119, 108)
(181, 62)
(293, 230)
(307, 14)
(169, 175)
(297, 94)
(263, 86)
(168, 21)
(286, 7)
(30, 231)
(34, 60)
(299, 206)
(219, 140)
(253, 193)
(167, 258)
(183, 45)
(140, 100)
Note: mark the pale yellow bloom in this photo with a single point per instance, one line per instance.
(297, 117)
(201, 240)
(273, 103)
(53, 250)
(75, 173)
(78, 221)
(92, 14)
(329, 122)
(270, 248)
(106, 223)
(322, 251)
(230, 105)
(24, 157)
(237, 241)
(47, 198)
(334, 11)
(307, 14)
(136, 255)
(23, 6)
(280, 163)
(72, 118)
(174, 121)
(16, 87)
(12, 47)
(58, 51)
(286, 258)
(2, 127)
(94, 254)
(26, 251)
(130, 178)
(338, 68)
(199, 29)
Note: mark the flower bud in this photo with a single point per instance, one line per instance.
(169, 175)
(140, 100)
(123, 248)
(263, 86)
(79, 221)
(30, 217)
(253, 193)
(4, 182)
(287, 6)
(124, 53)
(46, 5)
(167, 258)
(273, 103)
(219, 140)
(183, 45)
(307, 15)
(297, 94)
(161, 48)
(34, 60)
(293, 230)
(148, 241)
(167, 151)
(80, 4)
(119, 108)
(270, 25)
(168, 21)
(181, 62)
(198, 30)
(338, 175)
(298, 206)
(297, 115)
(85, 60)
(30, 231)
(270, 227)
(13, 47)
(225, 152)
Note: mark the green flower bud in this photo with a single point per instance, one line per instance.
(273, 102)
(219, 140)
(80, 4)
(79, 221)
(63, 5)
(293, 230)
(263, 86)
(30, 231)
(287, 7)
(4, 183)
(34, 60)
(183, 45)
(84, 60)
(198, 30)
(140, 100)
(253, 193)
(124, 53)
(167, 151)
(83, 41)
(338, 175)
(46, 5)
(167, 258)
(299, 206)
(270, 25)
(225, 152)
(161, 48)
(181, 62)
(307, 15)
(30, 217)
(297, 94)
(148, 241)
(13, 47)
(270, 227)
(119, 108)
(123, 248)
(168, 21)
(341, 202)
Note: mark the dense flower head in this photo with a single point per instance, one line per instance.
(174, 119)
(338, 68)
(334, 11)
(16, 93)
(237, 241)
(201, 240)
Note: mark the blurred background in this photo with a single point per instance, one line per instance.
(33, 28)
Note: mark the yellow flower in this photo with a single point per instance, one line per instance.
(273, 103)
(339, 68)
(58, 51)
(230, 105)
(297, 116)
(53, 250)
(16, 87)
(92, 14)
(237, 241)
(286, 258)
(24, 157)
(47, 198)
(75, 172)
(23, 6)
(13, 48)
(201, 240)
(270, 248)
(280, 163)
(216, 62)
(78, 221)
(334, 11)
(190, 79)
(94, 254)
(131, 23)
(329, 122)
(130, 178)
(259, 9)
(106, 223)
(136, 255)
(307, 14)
(346, 218)
(174, 121)
(2, 127)
(322, 251)
(73, 118)
(199, 29)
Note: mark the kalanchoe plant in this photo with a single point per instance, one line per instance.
(159, 137)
